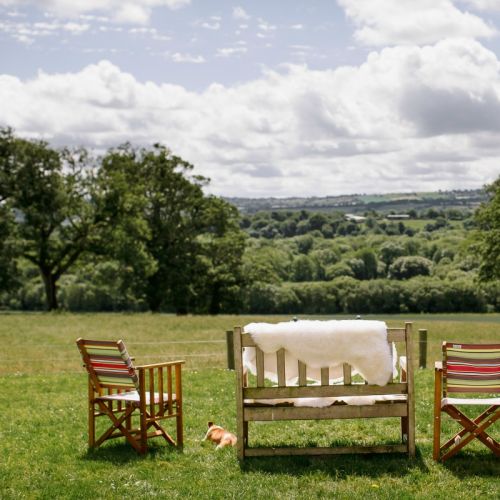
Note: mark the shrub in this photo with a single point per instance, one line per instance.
(404, 268)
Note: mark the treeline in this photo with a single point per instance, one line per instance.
(347, 295)
(286, 224)
(133, 230)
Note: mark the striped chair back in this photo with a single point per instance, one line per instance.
(471, 367)
(109, 364)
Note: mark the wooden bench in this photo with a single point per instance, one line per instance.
(252, 407)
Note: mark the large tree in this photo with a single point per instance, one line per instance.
(47, 192)
(7, 240)
(219, 269)
(159, 190)
(488, 221)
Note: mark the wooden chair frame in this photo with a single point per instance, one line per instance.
(248, 411)
(136, 415)
(472, 428)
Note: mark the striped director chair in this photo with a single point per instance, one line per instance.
(468, 369)
(136, 399)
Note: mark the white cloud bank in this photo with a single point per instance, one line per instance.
(126, 11)
(409, 118)
(400, 22)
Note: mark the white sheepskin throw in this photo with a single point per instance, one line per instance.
(320, 344)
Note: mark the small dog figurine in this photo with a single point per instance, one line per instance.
(219, 436)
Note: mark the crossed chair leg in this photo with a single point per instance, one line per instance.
(472, 428)
(117, 425)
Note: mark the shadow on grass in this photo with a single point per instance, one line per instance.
(339, 466)
(122, 453)
(473, 463)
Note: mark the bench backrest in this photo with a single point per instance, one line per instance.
(307, 388)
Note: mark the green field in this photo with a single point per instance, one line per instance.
(43, 420)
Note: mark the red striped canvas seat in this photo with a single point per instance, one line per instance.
(472, 368)
(110, 363)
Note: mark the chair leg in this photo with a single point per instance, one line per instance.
(91, 415)
(472, 430)
(143, 447)
(438, 387)
(117, 425)
(179, 428)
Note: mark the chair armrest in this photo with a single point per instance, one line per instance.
(438, 366)
(159, 365)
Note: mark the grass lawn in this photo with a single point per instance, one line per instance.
(43, 421)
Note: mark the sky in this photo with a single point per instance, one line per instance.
(266, 97)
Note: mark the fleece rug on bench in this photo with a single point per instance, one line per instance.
(320, 344)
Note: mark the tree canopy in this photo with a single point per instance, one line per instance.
(488, 222)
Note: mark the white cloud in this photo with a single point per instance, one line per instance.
(265, 26)
(27, 33)
(187, 58)
(75, 28)
(125, 11)
(215, 25)
(240, 13)
(297, 27)
(231, 51)
(408, 118)
(396, 22)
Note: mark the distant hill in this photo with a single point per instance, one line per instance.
(359, 203)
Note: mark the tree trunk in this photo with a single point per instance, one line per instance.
(215, 299)
(154, 295)
(50, 283)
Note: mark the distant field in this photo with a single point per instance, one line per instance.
(419, 224)
(38, 342)
(43, 422)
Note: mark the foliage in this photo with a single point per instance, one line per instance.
(139, 214)
(407, 267)
(48, 192)
(219, 270)
(488, 221)
(134, 230)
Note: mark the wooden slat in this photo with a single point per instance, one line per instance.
(338, 450)
(272, 413)
(179, 420)
(238, 367)
(438, 388)
(325, 376)
(151, 391)
(246, 340)
(302, 373)
(280, 361)
(259, 361)
(317, 391)
(169, 387)
(396, 335)
(347, 369)
(411, 390)
(161, 408)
